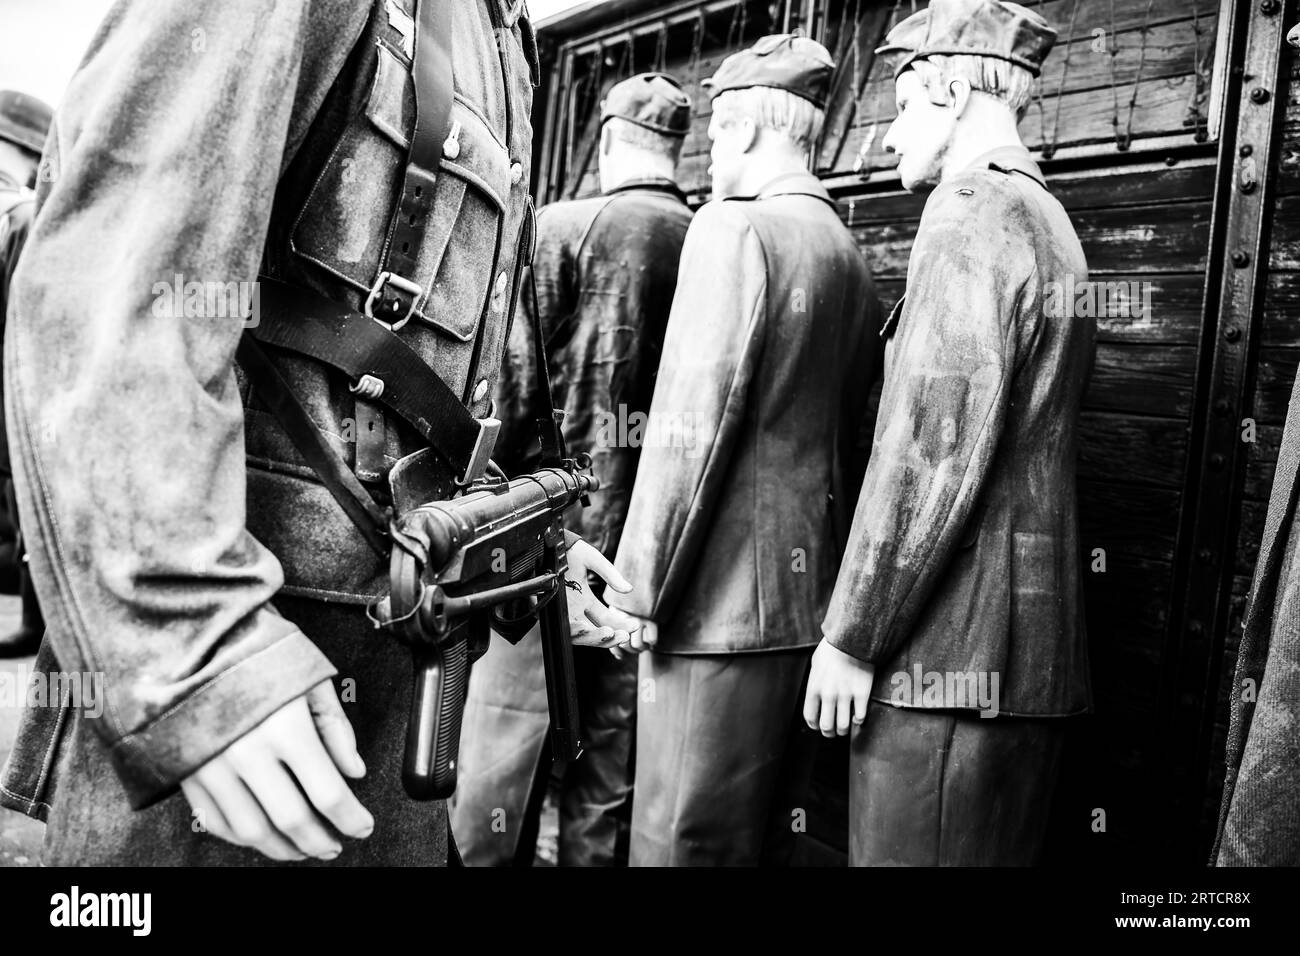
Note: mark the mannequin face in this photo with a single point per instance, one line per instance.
(729, 153)
(923, 132)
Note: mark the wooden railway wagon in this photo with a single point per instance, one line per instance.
(1170, 130)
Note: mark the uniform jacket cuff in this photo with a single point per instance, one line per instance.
(153, 760)
(864, 649)
(637, 601)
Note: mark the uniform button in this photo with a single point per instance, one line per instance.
(480, 390)
(516, 172)
(451, 146)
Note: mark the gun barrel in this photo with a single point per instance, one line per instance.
(453, 525)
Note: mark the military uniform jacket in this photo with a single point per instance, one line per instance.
(964, 553)
(269, 137)
(731, 541)
(605, 268)
(1258, 824)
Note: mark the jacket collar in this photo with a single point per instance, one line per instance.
(801, 183)
(653, 183)
(1011, 159)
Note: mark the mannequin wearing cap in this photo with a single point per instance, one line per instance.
(24, 122)
(1258, 825)
(751, 128)
(944, 124)
(17, 166)
(605, 270)
(731, 535)
(644, 122)
(963, 557)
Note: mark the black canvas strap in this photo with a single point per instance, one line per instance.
(548, 428)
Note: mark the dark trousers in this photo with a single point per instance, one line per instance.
(939, 788)
(506, 763)
(723, 759)
(91, 823)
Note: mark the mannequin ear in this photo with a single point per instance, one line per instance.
(959, 96)
(748, 134)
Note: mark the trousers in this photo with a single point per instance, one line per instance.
(940, 788)
(723, 758)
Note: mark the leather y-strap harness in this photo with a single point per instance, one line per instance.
(365, 346)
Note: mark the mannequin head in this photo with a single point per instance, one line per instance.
(757, 134)
(952, 109)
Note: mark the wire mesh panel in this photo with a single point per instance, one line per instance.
(1124, 75)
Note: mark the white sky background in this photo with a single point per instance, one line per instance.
(41, 41)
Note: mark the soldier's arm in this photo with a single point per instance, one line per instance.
(712, 345)
(940, 421)
(14, 227)
(125, 417)
(856, 422)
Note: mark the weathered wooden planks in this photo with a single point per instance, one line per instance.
(1091, 64)
(1161, 238)
(1135, 525)
(1275, 373)
(1131, 449)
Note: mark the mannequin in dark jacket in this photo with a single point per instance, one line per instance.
(605, 269)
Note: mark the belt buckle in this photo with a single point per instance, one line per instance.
(403, 285)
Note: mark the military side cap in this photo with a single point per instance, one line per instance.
(784, 61)
(24, 120)
(654, 101)
(995, 28)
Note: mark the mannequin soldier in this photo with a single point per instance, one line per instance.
(605, 270)
(218, 597)
(963, 559)
(731, 531)
(24, 124)
(1258, 825)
